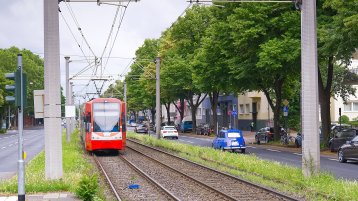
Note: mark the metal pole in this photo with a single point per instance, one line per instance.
(68, 126)
(157, 98)
(52, 105)
(310, 148)
(125, 97)
(72, 120)
(9, 113)
(21, 165)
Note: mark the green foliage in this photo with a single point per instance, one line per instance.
(344, 119)
(33, 67)
(87, 187)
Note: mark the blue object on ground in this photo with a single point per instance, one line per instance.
(133, 186)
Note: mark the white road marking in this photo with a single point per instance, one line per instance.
(10, 145)
(273, 150)
(187, 141)
(3, 147)
(298, 154)
(333, 159)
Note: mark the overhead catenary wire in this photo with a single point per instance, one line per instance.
(115, 38)
(64, 19)
(78, 27)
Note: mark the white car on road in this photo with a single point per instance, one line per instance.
(169, 132)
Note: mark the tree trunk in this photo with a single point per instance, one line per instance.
(194, 107)
(214, 97)
(152, 111)
(276, 107)
(181, 108)
(325, 100)
(167, 107)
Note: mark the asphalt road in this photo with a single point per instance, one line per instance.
(33, 144)
(292, 157)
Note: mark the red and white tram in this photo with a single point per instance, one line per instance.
(103, 126)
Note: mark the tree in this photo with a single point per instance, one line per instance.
(33, 66)
(140, 95)
(337, 41)
(187, 33)
(210, 64)
(266, 51)
(115, 90)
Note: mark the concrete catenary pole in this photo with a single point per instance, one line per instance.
(310, 146)
(68, 99)
(157, 97)
(21, 164)
(52, 105)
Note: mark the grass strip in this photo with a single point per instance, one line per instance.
(284, 178)
(75, 166)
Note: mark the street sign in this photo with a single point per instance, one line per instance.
(229, 113)
(285, 111)
(234, 113)
(285, 102)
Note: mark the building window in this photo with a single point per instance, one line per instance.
(355, 106)
(198, 111)
(247, 108)
(242, 110)
(348, 106)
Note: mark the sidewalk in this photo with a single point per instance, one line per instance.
(62, 196)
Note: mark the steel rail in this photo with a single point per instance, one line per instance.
(185, 175)
(108, 179)
(148, 178)
(219, 172)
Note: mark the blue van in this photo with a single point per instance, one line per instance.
(186, 126)
(231, 139)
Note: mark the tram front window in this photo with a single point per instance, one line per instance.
(106, 117)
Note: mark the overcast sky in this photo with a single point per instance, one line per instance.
(21, 23)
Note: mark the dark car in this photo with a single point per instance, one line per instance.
(341, 137)
(186, 126)
(141, 128)
(231, 139)
(264, 135)
(348, 151)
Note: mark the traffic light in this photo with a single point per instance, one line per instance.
(16, 88)
(339, 112)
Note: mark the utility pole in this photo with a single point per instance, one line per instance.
(21, 164)
(52, 105)
(125, 97)
(68, 99)
(309, 71)
(157, 97)
(72, 119)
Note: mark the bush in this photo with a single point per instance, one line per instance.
(2, 131)
(344, 119)
(87, 188)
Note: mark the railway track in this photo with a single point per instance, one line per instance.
(163, 176)
(225, 184)
(121, 174)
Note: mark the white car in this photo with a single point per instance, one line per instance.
(169, 132)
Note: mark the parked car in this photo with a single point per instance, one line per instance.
(186, 126)
(141, 128)
(231, 139)
(348, 151)
(341, 137)
(169, 132)
(264, 135)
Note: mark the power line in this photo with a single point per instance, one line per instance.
(115, 38)
(78, 26)
(64, 19)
